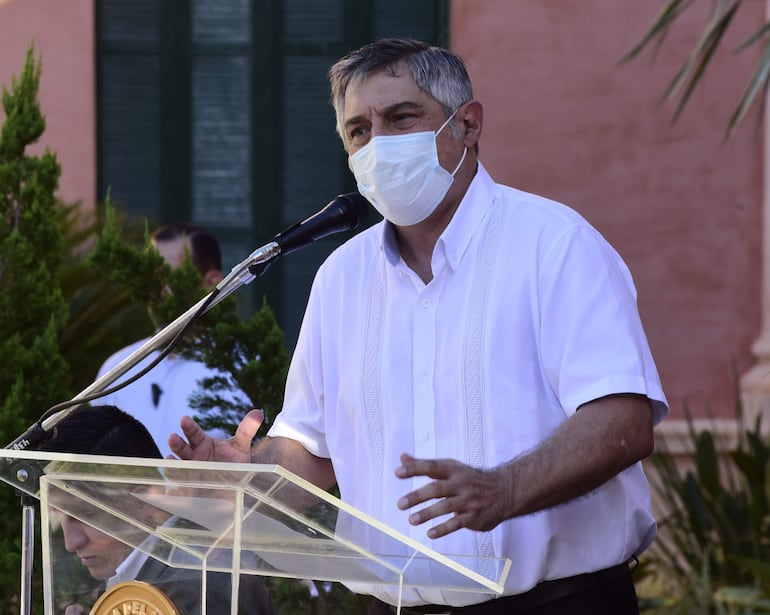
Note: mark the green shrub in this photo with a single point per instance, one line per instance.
(33, 310)
(712, 554)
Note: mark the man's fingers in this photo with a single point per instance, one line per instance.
(194, 434)
(192, 431)
(179, 447)
(247, 429)
(198, 445)
(462, 496)
(431, 491)
(432, 468)
(449, 526)
(195, 446)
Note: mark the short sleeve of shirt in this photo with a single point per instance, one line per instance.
(592, 339)
(303, 401)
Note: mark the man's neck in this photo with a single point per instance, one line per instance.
(417, 242)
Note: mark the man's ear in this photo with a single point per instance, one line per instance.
(471, 116)
(212, 278)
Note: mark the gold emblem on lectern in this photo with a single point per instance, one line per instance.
(134, 598)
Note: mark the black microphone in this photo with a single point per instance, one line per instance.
(343, 213)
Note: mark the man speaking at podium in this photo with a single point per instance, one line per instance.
(472, 371)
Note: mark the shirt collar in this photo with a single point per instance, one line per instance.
(388, 243)
(456, 238)
(129, 568)
(472, 210)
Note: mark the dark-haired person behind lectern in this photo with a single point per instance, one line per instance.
(107, 430)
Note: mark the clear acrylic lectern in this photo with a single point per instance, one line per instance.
(207, 517)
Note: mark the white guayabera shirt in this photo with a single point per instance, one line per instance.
(529, 315)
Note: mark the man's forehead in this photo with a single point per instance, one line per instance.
(381, 91)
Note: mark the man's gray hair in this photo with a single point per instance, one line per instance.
(438, 72)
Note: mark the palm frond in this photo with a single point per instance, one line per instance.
(690, 73)
(693, 69)
(659, 27)
(757, 83)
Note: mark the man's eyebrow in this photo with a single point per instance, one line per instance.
(405, 105)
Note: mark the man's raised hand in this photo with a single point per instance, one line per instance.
(199, 446)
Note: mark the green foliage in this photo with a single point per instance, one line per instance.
(141, 271)
(294, 596)
(103, 316)
(713, 548)
(253, 355)
(24, 122)
(33, 311)
(250, 353)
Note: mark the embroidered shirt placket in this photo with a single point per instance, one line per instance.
(473, 361)
(371, 385)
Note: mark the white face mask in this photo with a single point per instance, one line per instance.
(401, 176)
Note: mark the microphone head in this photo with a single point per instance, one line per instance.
(353, 208)
(343, 213)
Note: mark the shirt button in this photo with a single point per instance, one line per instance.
(426, 303)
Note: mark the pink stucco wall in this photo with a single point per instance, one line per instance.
(63, 35)
(566, 120)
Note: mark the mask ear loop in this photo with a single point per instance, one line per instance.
(449, 119)
(459, 164)
(465, 151)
